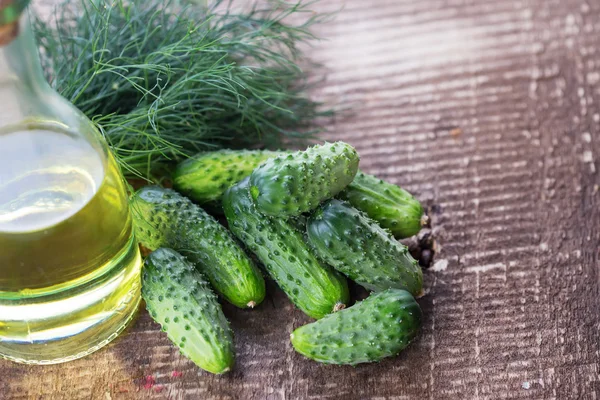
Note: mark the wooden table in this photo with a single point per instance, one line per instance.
(488, 111)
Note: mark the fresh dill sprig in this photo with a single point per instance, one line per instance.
(164, 79)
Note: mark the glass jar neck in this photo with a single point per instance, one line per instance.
(19, 59)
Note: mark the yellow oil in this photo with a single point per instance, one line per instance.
(69, 264)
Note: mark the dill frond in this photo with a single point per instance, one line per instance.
(164, 79)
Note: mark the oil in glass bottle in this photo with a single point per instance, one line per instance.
(69, 264)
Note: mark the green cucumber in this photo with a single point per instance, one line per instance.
(207, 175)
(315, 289)
(181, 301)
(291, 184)
(378, 327)
(391, 206)
(348, 240)
(164, 218)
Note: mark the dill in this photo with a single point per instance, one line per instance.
(164, 79)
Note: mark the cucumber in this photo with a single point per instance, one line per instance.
(291, 184)
(391, 206)
(205, 176)
(315, 289)
(164, 218)
(348, 240)
(378, 327)
(181, 301)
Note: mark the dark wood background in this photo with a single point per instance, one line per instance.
(488, 111)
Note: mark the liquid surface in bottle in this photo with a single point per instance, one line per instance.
(46, 177)
(63, 209)
(69, 264)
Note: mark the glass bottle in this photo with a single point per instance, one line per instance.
(69, 264)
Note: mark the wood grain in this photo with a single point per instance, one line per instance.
(488, 111)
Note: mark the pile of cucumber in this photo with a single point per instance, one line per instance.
(313, 220)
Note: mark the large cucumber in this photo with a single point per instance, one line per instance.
(315, 289)
(181, 301)
(291, 184)
(391, 206)
(349, 241)
(207, 175)
(378, 327)
(164, 218)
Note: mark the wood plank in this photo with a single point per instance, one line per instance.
(488, 112)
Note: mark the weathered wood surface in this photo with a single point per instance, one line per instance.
(488, 111)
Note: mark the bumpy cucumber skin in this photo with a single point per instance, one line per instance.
(315, 289)
(348, 240)
(181, 301)
(164, 218)
(378, 327)
(206, 176)
(291, 184)
(391, 206)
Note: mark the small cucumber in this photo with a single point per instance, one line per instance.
(164, 218)
(353, 244)
(315, 289)
(180, 299)
(291, 184)
(205, 176)
(378, 327)
(391, 206)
